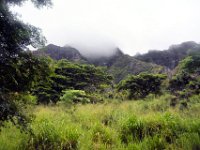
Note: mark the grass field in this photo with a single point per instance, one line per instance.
(143, 124)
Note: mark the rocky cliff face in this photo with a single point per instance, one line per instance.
(119, 64)
(57, 53)
(170, 57)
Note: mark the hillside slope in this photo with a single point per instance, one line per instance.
(125, 65)
(57, 53)
(119, 65)
(170, 57)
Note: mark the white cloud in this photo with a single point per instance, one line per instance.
(133, 25)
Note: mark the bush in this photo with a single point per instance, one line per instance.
(132, 129)
(179, 81)
(16, 105)
(102, 135)
(95, 98)
(74, 97)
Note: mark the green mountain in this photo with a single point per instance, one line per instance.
(124, 65)
(57, 53)
(170, 57)
(119, 64)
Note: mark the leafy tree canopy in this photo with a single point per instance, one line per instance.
(187, 76)
(80, 76)
(20, 73)
(18, 70)
(67, 75)
(191, 64)
(14, 34)
(139, 86)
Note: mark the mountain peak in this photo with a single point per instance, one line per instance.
(119, 64)
(57, 52)
(119, 52)
(170, 57)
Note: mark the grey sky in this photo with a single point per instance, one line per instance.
(132, 25)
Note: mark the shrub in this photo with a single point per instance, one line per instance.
(75, 96)
(15, 105)
(102, 135)
(132, 129)
(95, 98)
(179, 81)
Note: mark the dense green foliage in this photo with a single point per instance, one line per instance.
(81, 76)
(18, 75)
(18, 70)
(141, 85)
(74, 97)
(191, 64)
(15, 35)
(179, 81)
(119, 64)
(141, 125)
(67, 75)
(186, 82)
(106, 120)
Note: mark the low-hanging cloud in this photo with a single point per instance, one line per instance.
(92, 45)
(134, 25)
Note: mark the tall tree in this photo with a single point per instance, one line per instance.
(139, 86)
(14, 34)
(17, 69)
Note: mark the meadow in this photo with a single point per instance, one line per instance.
(146, 124)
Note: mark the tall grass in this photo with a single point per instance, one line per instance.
(143, 124)
(12, 138)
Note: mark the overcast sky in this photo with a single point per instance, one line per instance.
(132, 25)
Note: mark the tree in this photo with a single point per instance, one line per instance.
(179, 81)
(187, 79)
(191, 64)
(18, 70)
(139, 86)
(19, 77)
(15, 35)
(42, 88)
(67, 75)
(79, 76)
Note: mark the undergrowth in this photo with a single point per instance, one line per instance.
(144, 124)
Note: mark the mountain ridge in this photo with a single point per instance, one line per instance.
(119, 64)
(57, 52)
(170, 57)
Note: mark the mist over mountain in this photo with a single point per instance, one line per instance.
(117, 63)
(94, 46)
(120, 64)
(57, 52)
